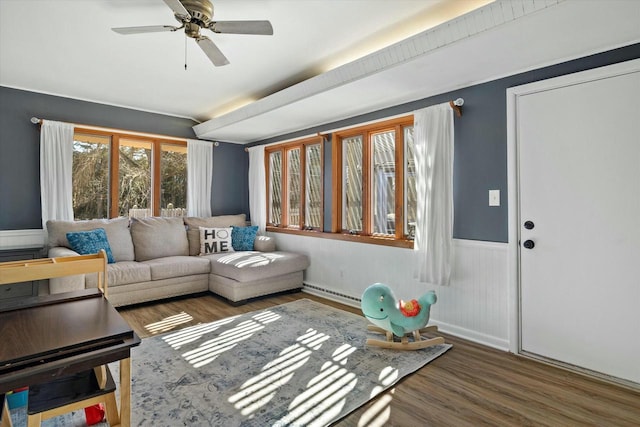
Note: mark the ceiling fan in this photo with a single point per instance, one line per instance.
(195, 15)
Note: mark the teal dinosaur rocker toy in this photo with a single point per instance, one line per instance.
(396, 317)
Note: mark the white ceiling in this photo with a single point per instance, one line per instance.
(66, 47)
(327, 60)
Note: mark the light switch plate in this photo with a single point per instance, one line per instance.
(494, 197)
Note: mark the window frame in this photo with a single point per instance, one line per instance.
(398, 125)
(114, 162)
(284, 149)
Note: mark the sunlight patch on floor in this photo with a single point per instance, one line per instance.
(323, 401)
(259, 390)
(168, 323)
(388, 376)
(209, 350)
(263, 387)
(194, 333)
(325, 395)
(379, 413)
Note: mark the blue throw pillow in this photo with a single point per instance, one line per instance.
(90, 242)
(242, 237)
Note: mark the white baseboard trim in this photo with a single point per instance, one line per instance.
(477, 337)
(21, 238)
(469, 335)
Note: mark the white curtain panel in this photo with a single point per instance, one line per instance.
(257, 188)
(56, 169)
(433, 246)
(199, 176)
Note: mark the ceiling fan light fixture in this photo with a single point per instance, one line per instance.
(192, 30)
(201, 11)
(193, 15)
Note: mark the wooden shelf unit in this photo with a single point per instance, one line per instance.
(47, 268)
(95, 389)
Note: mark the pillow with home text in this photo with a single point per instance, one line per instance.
(215, 240)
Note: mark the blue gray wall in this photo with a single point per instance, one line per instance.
(480, 158)
(230, 186)
(20, 151)
(480, 147)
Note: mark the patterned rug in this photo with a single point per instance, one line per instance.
(297, 364)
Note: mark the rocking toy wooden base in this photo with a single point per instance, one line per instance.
(404, 343)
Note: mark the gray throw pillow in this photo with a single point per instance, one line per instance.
(158, 237)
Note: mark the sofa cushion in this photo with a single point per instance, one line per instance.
(243, 237)
(194, 224)
(122, 273)
(177, 266)
(214, 240)
(90, 242)
(158, 237)
(117, 230)
(264, 244)
(252, 265)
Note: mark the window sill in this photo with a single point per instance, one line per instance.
(384, 241)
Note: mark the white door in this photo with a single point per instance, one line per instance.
(578, 153)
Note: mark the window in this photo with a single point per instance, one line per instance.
(375, 168)
(294, 184)
(275, 188)
(373, 184)
(118, 174)
(173, 175)
(352, 184)
(90, 176)
(313, 189)
(134, 176)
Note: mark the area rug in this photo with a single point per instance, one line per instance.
(298, 364)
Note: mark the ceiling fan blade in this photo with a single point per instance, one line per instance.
(146, 29)
(211, 50)
(242, 27)
(178, 9)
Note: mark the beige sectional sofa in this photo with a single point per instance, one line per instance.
(159, 258)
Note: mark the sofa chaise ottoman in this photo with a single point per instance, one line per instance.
(238, 276)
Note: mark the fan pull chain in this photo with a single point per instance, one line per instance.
(185, 53)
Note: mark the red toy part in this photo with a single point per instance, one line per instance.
(410, 308)
(94, 414)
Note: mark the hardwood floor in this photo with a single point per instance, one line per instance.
(470, 385)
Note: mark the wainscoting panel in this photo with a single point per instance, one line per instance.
(17, 238)
(474, 306)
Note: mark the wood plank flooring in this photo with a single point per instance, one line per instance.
(470, 385)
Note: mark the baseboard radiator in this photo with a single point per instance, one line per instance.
(330, 294)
